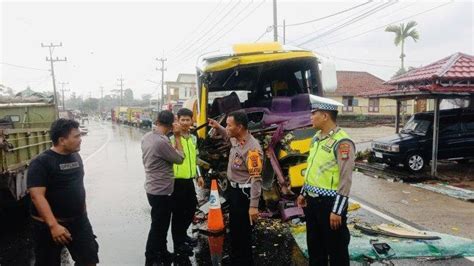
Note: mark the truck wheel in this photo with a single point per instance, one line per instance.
(415, 162)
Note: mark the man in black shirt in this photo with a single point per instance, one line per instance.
(56, 185)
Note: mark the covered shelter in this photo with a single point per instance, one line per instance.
(449, 78)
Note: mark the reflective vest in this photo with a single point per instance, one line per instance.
(187, 169)
(323, 170)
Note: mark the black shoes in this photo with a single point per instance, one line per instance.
(183, 250)
(162, 258)
(191, 241)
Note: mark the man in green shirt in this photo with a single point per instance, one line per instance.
(184, 195)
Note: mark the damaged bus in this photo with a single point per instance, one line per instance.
(273, 84)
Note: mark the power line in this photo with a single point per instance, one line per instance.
(371, 21)
(328, 16)
(25, 67)
(210, 42)
(358, 18)
(232, 28)
(199, 46)
(349, 22)
(188, 40)
(209, 30)
(269, 28)
(331, 24)
(383, 26)
(364, 63)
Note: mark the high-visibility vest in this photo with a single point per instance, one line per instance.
(323, 170)
(187, 169)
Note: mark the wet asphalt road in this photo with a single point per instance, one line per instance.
(120, 214)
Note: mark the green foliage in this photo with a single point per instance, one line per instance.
(403, 32)
(361, 118)
(363, 155)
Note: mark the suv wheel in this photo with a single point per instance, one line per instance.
(415, 162)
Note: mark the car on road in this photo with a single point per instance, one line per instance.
(412, 147)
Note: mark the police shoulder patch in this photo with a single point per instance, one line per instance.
(254, 163)
(344, 149)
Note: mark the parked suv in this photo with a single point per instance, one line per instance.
(412, 147)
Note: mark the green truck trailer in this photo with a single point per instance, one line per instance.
(24, 133)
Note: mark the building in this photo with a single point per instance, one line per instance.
(180, 90)
(352, 87)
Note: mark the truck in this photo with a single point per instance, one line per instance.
(120, 114)
(274, 85)
(133, 116)
(23, 135)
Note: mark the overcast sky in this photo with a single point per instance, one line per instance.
(106, 40)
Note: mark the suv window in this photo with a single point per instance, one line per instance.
(448, 125)
(468, 121)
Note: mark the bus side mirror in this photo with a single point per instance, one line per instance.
(327, 70)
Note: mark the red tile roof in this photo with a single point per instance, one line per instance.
(458, 66)
(355, 83)
(431, 89)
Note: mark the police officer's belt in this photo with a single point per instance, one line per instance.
(313, 191)
(237, 185)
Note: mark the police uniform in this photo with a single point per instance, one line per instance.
(326, 189)
(244, 173)
(184, 194)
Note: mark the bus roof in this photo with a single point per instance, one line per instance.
(249, 53)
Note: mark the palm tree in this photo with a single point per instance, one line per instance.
(402, 32)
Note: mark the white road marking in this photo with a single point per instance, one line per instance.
(385, 216)
(470, 258)
(109, 137)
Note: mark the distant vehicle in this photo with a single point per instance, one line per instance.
(412, 147)
(83, 129)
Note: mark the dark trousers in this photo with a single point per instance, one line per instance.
(184, 207)
(323, 242)
(160, 223)
(240, 228)
(83, 247)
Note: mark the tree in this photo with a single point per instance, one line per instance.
(146, 98)
(402, 71)
(90, 105)
(402, 32)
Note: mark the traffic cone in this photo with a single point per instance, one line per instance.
(215, 221)
(216, 247)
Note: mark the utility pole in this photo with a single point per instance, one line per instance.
(62, 92)
(275, 21)
(284, 32)
(51, 47)
(121, 89)
(162, 69)
(101, 99)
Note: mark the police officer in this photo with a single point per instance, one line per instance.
(328, 179)
(184, 194)
(244, 173)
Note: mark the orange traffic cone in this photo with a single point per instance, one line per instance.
(215, 221)
(216, 247)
